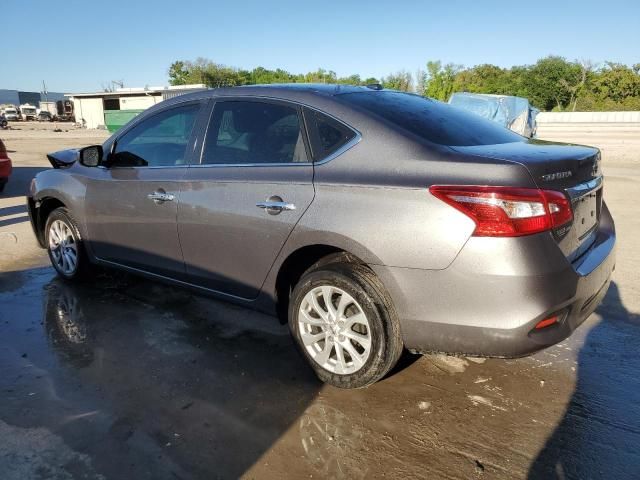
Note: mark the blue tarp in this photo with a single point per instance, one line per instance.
(514, 113)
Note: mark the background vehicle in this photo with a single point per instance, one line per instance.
(28, 111)
(12, 114)
(5, 166)
(49, 107)
(65, 111)
(45, 116)
(514, 113)
(367, 219)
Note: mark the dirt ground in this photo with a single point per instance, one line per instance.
(125, 378)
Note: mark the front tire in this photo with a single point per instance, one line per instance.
(64, 246)
(344, 324)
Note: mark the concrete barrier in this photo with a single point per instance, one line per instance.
(588, 117)
(617, 134)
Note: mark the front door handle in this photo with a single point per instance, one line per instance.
(275, 205)
(160, 196)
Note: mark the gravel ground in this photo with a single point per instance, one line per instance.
(125, 378)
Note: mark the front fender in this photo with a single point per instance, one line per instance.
(63, 186)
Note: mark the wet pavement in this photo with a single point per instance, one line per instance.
(125, 378)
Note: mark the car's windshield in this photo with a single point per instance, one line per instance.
(431, 120)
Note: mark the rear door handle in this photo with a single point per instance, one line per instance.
(275, 208)
(160, 196)
(276, 205)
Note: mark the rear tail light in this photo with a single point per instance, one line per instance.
(507, 211)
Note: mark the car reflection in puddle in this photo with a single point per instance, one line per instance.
(330, 439)
(66, 324)
(174, 384)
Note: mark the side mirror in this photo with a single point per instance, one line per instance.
(91, 156)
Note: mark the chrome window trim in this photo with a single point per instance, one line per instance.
(354, 141)
(156, 167)
(347, 146)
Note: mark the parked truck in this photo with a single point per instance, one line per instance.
(64, 111)
(28, 111)
(11, 113)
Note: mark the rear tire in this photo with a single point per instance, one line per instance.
(64, 246)
(344, 324)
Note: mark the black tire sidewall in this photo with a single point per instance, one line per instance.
(352, 280)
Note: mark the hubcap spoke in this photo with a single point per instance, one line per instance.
(341, 364)
(345, 301)
(323, 355)
(363, 340)
(326, 295)
(306, 318)
(312, 339)
(358, 318)
(355, 356)
(319, 310)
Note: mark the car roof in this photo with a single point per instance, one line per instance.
(292, 91)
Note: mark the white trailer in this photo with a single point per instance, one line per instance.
(49, 107)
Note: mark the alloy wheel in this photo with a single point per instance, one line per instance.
(334, 330)
(63, 247)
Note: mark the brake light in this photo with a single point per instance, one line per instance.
(507, 211)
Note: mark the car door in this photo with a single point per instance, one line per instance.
(132, 202)
(238, 207)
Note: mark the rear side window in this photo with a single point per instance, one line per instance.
(327, 135)
(431, 120)
(248, 132)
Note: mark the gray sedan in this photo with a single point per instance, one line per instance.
(370, 220)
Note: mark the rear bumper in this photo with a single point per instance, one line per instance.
(488, 301)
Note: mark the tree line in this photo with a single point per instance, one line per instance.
(552, 83)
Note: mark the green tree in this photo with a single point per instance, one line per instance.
(440, 80)
(401, 80)
(178, 75)
(550, 83)
(482, 79)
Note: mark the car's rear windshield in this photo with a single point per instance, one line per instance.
(431, 120)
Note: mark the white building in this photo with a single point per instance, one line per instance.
(113, 109)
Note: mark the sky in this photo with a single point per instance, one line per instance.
(81, 46)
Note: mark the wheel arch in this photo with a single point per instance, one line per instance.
(297, 263)
(44, 208)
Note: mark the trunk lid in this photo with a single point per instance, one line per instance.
(572, 169)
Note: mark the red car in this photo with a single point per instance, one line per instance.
(5, 166)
